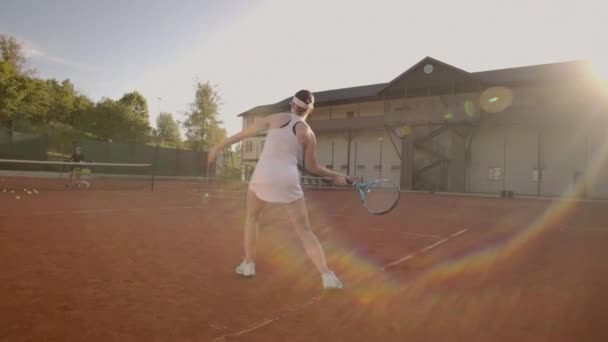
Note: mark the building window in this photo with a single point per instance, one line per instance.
(377, 167)
(361, 167)
(350, 115)
(494, 173)
(248, 146)
(262, 145)
(329, 167)
(396, 167)
(535, 175)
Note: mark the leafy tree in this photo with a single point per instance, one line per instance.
(138, 118)
(167, 129)
(63, 96)
(13, 84)
(137, 103)
(202, 125)
(113, 120)
(37, 102)
(11, 52)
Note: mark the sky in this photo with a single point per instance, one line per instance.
(261, 51)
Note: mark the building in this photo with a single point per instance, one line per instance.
(537, 130)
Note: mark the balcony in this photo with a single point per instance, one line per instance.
(356, 123)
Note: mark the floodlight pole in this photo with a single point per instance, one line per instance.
(380, 162)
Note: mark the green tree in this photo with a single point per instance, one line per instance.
(202, 125)
(11, 52)
(82, 106)
(63, 95)
(138, 118)
(12, 81)
(51, 107)
(137, 103)
(109, 119)
(37, 101)
(167, 129)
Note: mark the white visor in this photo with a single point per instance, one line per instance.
(301, 103)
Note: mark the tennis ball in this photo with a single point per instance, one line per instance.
(206, 194)
(12, 191)
(17, 197)
(3, 190)
(29, 192)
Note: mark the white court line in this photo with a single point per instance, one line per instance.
(425, 236)
(428, 248)
(45, 213)
(406, 234)
(317, 299)
(94, 211)
(585, 229)
(459, 232)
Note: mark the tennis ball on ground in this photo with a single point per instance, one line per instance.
(17, 197)
(29, 192)
(3, 190)
(206, 194)
(12, 191)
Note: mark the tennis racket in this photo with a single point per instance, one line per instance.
(378, 196)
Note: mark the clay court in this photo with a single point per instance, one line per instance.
(90, 265)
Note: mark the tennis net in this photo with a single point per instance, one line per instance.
(24, 175)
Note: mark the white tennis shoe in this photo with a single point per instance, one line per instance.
(246, 269)
(331, 281)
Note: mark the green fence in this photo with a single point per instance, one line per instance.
(165, 161)
(17, 145)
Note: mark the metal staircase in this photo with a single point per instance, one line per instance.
(437, 159)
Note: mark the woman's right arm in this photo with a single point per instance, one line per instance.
(258, 126)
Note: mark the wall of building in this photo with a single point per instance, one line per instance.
(597, 160)
(569, 154)
(552, 128)
(367, 148)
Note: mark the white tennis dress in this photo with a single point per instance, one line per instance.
(276, 177)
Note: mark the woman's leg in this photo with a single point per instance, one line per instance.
(298, 215)
(254, 208)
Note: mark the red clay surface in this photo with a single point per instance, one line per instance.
(142, 266)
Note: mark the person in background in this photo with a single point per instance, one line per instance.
(77, 157)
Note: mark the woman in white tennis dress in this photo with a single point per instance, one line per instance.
(276, 179)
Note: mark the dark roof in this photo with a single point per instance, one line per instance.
(369, 91)
(325, 97)
(543, 72)
(423, 61)
(271, 108)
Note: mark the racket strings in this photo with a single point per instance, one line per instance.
(381, 196)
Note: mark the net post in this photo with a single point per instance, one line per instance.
(152, 177)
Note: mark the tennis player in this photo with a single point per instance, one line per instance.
(276, 180)
(77, 157)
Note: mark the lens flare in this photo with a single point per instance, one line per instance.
(469, 108)
(496, 99)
